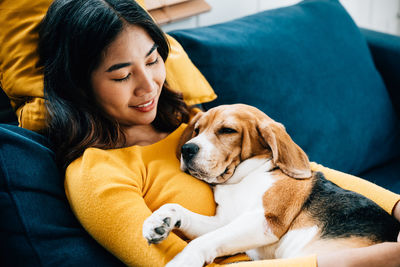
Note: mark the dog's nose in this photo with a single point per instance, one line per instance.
(189, 151)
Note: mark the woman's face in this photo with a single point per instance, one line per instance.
(128, 82)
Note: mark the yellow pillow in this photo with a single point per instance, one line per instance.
(22, 81)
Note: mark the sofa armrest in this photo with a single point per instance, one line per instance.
(385, 50)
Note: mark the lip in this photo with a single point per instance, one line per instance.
(146, 106)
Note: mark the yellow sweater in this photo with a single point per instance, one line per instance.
(113, 191)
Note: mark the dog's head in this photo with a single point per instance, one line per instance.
(216, 141)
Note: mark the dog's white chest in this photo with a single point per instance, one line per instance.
(245, 195)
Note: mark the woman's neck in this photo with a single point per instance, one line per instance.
(142, 135)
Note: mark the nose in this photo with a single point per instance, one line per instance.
(144, 84)
(189, 151)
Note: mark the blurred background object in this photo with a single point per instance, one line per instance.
(378, 15)
(168, 11)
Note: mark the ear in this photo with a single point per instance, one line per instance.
(251, 145)
(246, 151)
(187, 133)
(286, 154)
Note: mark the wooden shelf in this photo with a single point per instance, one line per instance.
(167, 11)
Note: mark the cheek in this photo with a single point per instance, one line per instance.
(231, 143)
(161, 72)
(98, 87)
(110, 95)
(98, 91)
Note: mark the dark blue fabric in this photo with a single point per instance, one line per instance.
(386, 175)
(309, 67)
(7, 114)
(385, 51)
(37, 227)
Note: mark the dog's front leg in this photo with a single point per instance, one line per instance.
(246, 232)
(169, 216)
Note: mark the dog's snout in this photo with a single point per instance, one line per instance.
(189, 151)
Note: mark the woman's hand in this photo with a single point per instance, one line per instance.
(396, 214)
(385, 254)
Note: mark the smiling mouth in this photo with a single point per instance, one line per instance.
(145, 104)
(146, 107)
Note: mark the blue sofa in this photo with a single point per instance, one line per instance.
(334, 86)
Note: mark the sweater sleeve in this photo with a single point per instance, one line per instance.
(384, 198)
(305, 261)
(109, 205)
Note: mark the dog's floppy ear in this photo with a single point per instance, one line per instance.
(187, 133)
(251, 145)
(286, 154)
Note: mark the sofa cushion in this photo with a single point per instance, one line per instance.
(37, 226)
(309, 67)
(385, 175)
(22, 79)
(385, 49)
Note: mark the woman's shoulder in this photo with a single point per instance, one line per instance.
(96, 160)
(96, 154)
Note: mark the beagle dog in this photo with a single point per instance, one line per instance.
(270, 203)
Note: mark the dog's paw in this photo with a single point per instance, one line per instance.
(197, 253)
(185, 260)
(158, 226)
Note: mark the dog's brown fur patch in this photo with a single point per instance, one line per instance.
(281, 213)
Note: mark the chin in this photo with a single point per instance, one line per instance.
(146, 119)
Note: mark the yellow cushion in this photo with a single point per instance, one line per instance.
(22, 81)
(381, 196)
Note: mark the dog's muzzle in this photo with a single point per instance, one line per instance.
(189, 151)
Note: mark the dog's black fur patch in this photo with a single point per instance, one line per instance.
(342, 213)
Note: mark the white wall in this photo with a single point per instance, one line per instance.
(380, 15)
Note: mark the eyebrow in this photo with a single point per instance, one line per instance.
(118, 66)
(154, 47)
(125, 64)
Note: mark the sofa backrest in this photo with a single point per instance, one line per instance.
(308, 67)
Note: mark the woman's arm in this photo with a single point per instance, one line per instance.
(110, 206)
(384, 254)
(307, 261)
(396, 212)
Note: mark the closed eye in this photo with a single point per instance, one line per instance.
(226, 130)
(123, 79)
(153, 62)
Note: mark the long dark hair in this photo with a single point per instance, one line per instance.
(72, 37)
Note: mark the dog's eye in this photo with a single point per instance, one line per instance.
(226, 130)
(196, 131)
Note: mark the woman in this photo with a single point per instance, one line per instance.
(115, 126)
